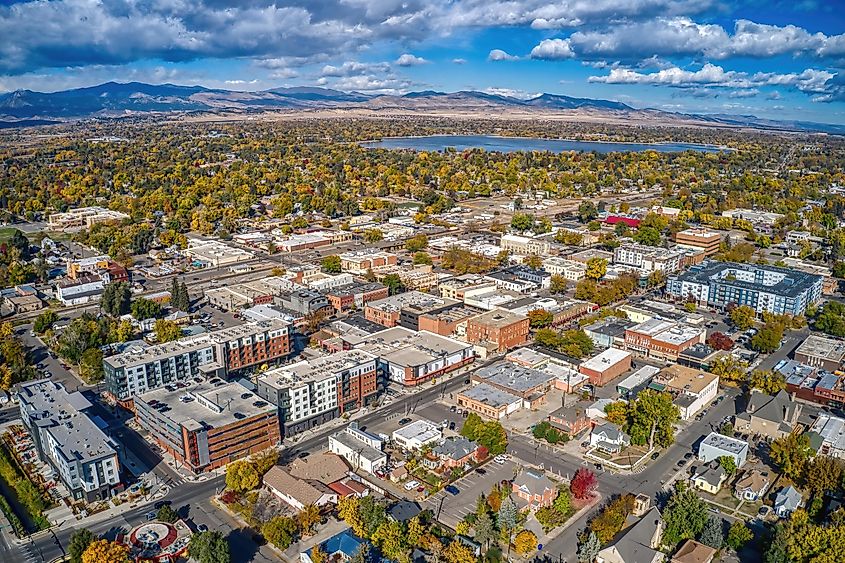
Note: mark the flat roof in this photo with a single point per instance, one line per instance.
(212, 404)
(404, 347)
(489, 395)
(725, 443)
(360, 447)
(420, 430)
(609, 357)
(685, 378)
(638, 377)
(498, 319)
(822, 347)
(315, 369)
(513, 376)
(411, 299)
(791, 283)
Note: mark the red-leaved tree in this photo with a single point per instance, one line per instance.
(720, 341)
(583, 484)
(481, 453)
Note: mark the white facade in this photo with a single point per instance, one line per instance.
(716, 445)
(699, 401)
(516, 244)
(416, 435)
(88, 290)
(648, 258)
(569, 269)
(362, 450)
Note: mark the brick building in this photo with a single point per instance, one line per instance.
(505, 330)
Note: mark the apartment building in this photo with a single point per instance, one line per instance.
(138, 369)
(572, 270)
(701, 238)
(448, 322)
(67, 439)
(502, 329)
(208, 425)
(520, 279)
(314, 391)
(525, 246)
(661, 339)
(648, 259)
(83, 218)
(763, 288)
(358, 263)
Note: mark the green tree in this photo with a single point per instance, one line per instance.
(280, 531)
(768, 381)
(390, 538)
(743, 317)
(768, 338)
(115, 299)
(485, 530)
(653, 416)
(790, 454)
(394, 284)
(831, 319)
(540, 429)
(522, 222)
(416, 243)
(166, 331)
(534, 262)
(331, 264)
(45, 321)
(648, 236)
(588, 547)
(209, 547)
(824, 474)
(738, 535)
(730, 369)
(91, 366)
(167, 514)
(540, 318)
(712, 534)
(422, 258)
(145, 309)
(373, 235)
(685, 515)
(508, 515)
(596, 268)
(79, 542)
(587, 212)
(728, 463)
(241, 476)
(558, 284)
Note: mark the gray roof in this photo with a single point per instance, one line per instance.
(491, 396)
(772, 408)
(533, 482)
(788, 498)
(634, 545)
(612, 432)
(363, 449)
(793, 284)
(513, 376)
(713, 473)
(404, 510)
(455, 448)
(725, 443)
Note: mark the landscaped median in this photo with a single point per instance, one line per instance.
(21, 500)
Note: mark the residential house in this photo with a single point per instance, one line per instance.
(571, 420)
(533, 490)
(341, 547)
(638, 543)
(716, 445)
(769, 416)
(609, 438)
(752, 485)
(403, 511)
(324, 467)
(709, 477)
(787, 501)
(692, 551)
(298, 493)
(455, 451)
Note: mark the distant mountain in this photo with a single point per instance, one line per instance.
(115, 99)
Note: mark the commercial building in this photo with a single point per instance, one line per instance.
(716, 445)
(502, 329)
(763, 288)
(636, 382)
(464, 286)
(692, 389)
(699, 237)
(606, 366)
(520, 279)
(648, 259)
(302, 241)
(762, 221)
(137, 369)
(208, 425)
(361, 449)
(489, 401)
(831, 430)
(67, 439)
(83, 217)
(533, 490)
(822, 352)
(417, 435)
(355, 295)
(359, 262)
(661, 339)
(572, 270)
(529, 384)
(81, 290)
(314, 391)
(525, 246)
(448, 322)
(404, 309)
(609, 332)
(205, 253)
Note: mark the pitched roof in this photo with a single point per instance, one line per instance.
(532, 482)
(634, 545)
(789, 498)
(713, 474)
(455, 448)
(306, 492)
(752, 480)
(775, 409)
(404, 510)
(324, 467)
(692, 551)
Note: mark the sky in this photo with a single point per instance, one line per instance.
(780, 59)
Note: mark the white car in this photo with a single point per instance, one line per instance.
(500, 459)
(411, 485)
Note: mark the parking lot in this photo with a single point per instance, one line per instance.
(450, 509)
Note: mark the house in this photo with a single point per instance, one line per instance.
(361, 449)
(609, 438)
(298, 493)
(692, 389)
(416, 435)
(340, 547)
(709, 477)
(572, 420)
(692, 551)
(324, 467)
(716, 445)
(403, 511)
(769, 416)
(787, 501)
(596, 410)
(752, 485)
(533, 490)
(455, 451)
(638, 543)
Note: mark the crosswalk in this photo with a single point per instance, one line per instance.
(30, 554)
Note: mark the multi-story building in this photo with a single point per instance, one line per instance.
(489, 401)
(763, 288)
(83, 289)
(417, 435)
(661, 339)
(524, 246)
(822, 352)
(84, 458)
(302, 241)
(572, 270)
(138, 370)
(606, 366)
(503, 329)
(361, 449)
(699, 237)
(520, 279)
(355, 295)
(692, 389)
(448, 322)
(763, 221)
(404, 309)
(314, 391)
(83, 217)
(529, 384)
(831, 429)
(359, 262)
(468, 285)
(208, 425)
(648, 258)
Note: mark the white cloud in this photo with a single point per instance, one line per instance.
(407, 59)
(459, 61)
(750, 93)
(354, 68)
(499, 55)
(552, 49)
(511, 93)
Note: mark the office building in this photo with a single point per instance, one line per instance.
(501, 329)
(404, 309)
(416, 435)
(208, 425)
(822, 352)
(361, 449)
(763, 288)
(83, 218)
(572, 270)
(699, 237)
(661, 339)
(529, 384)
(358, 263)
(68, 440)
(355, 295)
(692, 389)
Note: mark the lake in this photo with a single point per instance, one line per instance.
(513, 144)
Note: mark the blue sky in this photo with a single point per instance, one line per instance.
(771, 58)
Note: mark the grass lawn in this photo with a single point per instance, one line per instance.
(6, 233)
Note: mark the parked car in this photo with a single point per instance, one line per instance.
(452, 489)
(655, 455)
(151, 515)
(202, 528)
(453, 408)
(411, 485)
(500, 459)
(451, 426)
(404, 421)
(481, 471)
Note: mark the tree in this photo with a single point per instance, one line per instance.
(166, 331)
(652, 416)
(522, 221)
(525, 542)
(184, 299)
(768, 338)
(575, 343)
(823, 474)
(45, 321)
(416, 529)
(209, 547)
(241, 476)
(363, 554)
(145, 309)
(457, 552)
(588, 548)
(508, 514)
(728, 463)
(743, 317)
(596, 268)
(730, 369)
(719, 341)
(648, 236)
(394, 284)
(790, 454)
(373, 235)
(617, 413)
(584, 484)
(347, 509)
(308, 517)
(712, 533)
(658, 278)
(727, 429)
(838, 269)
(533, 261)
(612, 518)
(540, 318)
(167, 514)
(372, 513)
(768, 381)
(831, 319)
(489, 434)
(485, 529)
(280, 531)
(91, 365)
(104, 551)
(738, 535)
(79, 542)
(685, 515)
(416, 243)
(318, 555)
(115, 299)
(557, 284)
(587, 212)
(422, 258)
(331, 264)
(390, 538)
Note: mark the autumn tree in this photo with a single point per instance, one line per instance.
(533, 261)
(719, 341)
(280, 531)
(331, 264)
(457, 552)
(390, 538)
(790, 454)
(730, 369)
(525, 542)
(596, 268)
(167, 331)
(768, 381)
(241, 476)
(416, 243)
(743, 317)
(612, 517)
(373, 235)
(768, 338)
(652, 418)
(522, 222)
(583, 484)
(739, 534)
(824, 474)
(540, 318)
(104, 551)
(308, 518)
(557, 284)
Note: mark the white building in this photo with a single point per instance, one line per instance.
(417, 434)
(361, 449)
(648, 258)
(516, 244)
(84, 289)
(716, 445)
(214, 254)
(832, 431)
(569, 269)
(83, 217)
(693, 389)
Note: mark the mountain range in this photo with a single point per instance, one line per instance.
(114, 99)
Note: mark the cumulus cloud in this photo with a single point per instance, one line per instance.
(354, 68)
(499, 55)
(552, 49)
(408, 59)
(511, 93)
